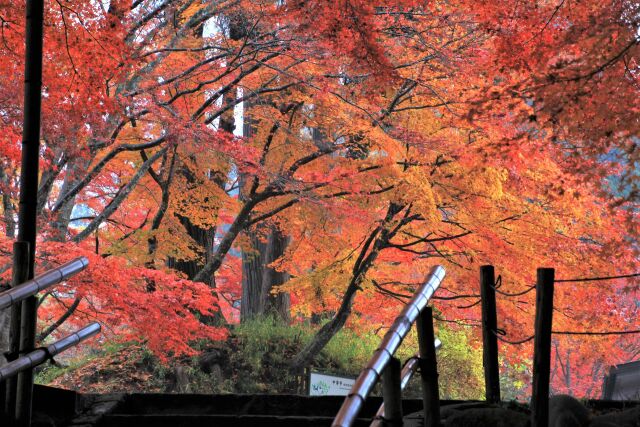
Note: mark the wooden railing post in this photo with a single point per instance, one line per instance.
(20, 275)
(542, 348)
(428, 368)
(489, 338)
(24, 402)
(392, 393)
(29, 175)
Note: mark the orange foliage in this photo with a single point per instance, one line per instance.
(462, 133)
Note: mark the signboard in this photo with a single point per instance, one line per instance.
(329, 385)
(336, 385)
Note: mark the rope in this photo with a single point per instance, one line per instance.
(593, 279)
(498, 284)
(470, 305)
(500, 333)
(635, 331)
(517, 294)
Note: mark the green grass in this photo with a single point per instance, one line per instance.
(49, 372)
(256, 357)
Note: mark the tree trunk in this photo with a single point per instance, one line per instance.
(9, 230)
(259, 279)
(253, 261)
(277, 304)
(7, 206)
(378, 239)
(205, 238)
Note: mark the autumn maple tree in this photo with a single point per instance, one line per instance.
(217, 160)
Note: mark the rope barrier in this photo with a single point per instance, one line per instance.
(470, 305)
(594, 279)
(498, 284)
(634, 331)
(500, 333)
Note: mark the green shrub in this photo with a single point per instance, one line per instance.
(255, 359)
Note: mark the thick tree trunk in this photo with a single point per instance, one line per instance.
(205, 238)
(253, 261)
(278, 303)
(259, 279)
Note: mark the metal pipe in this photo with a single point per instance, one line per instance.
(390, 343)
(38, 356)
(43, 281)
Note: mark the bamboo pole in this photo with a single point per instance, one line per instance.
(22, 288)
(40, 355)
(390, 342)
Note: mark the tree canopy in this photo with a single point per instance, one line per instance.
(234, 158)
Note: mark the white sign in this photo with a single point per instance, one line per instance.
(329, 385)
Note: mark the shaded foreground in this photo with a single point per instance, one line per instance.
(64, 408)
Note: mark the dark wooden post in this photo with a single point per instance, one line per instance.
(29, 174)
(392, 393)
(19, 275)
(542, 348)
(489, 338)
(428, 368)
(31, 128)
(24, 402)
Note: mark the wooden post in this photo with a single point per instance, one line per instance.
(489, 338)
(24, 402)
(392, 393)
(542, 348)
(20, 274)
(29, 169)
(29, 174)
(428, 368)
